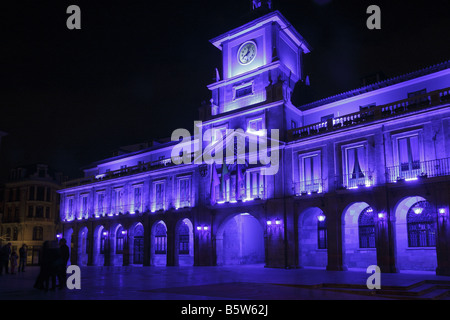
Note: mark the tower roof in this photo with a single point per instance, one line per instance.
(271, 17)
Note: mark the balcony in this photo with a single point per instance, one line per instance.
(308, 187)
(355, 180)
(401, 107)
(144, 167)
(418, 170)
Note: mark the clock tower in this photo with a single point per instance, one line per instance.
(261, 63)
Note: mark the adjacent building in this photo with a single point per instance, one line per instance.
(30, 209)
(357, 179)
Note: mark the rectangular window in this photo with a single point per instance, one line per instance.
(84, 205)
(48, 194)
(255, 185)
(138, 198)
(310, 174)
(30, 211)
(47, 212)
(161, 244)
(159, 196)
(255, 125)
(40, 193)
(17, 198)
(408, 154)
(39, 212)
(244, 91)
(356, 173)
(69, 207)
(184, 244)
(325, 118)
(118, 200)
(184, 192)
(31, 195)
(100, 203)
(219, 131)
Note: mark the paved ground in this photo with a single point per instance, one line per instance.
(203, 283)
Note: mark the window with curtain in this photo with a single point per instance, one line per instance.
(311, 174)
(408, 154)
(356, 163)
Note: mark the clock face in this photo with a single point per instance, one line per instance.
(247, 52)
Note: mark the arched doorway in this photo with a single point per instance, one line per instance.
(99, 247)
(83, 246)
(359, 235)
(312, 238)
(415, 225)
(158, 247)
(137, 244)
(117, 242)
(184, 243)
(240, 240)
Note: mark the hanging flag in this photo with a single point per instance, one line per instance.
(214, 183)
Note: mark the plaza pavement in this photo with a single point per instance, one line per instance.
(248, 282)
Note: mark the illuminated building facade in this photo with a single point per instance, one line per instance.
(363, 177)
(30, 209)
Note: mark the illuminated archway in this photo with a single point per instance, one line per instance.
(414, 254)
(240, 240)
(312, 238)
(83, 246)
(184, 243)
(158, 245)
(359, 235)
(98, 248)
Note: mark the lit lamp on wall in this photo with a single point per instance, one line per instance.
(275, 223)
(105, 233)
(417, 210)
(124, 232)
(442, 213)
(321, 217)
(381, 216)
(59, 236)
(202, 228)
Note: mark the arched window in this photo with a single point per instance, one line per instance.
(160, 239)
(421, 221)
(119, 240)
(38, 233)
(183, 233)
(366, 226)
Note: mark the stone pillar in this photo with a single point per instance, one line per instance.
(334, 237)
(90, 250)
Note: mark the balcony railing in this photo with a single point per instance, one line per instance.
(396, 108)
(417, 170)
(144, 167)
(355, 180)
(308, 187)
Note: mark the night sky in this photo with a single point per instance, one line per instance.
(137, 70)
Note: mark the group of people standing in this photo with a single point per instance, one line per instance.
(8, 257)
(52, 260)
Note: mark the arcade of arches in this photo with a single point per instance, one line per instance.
(243, 238)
